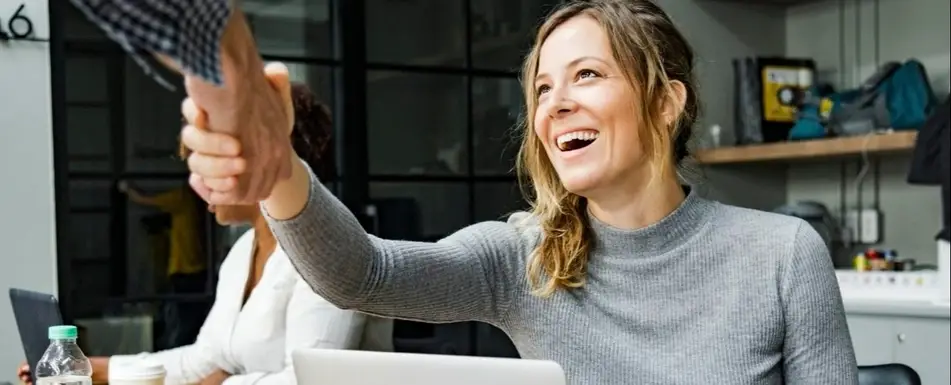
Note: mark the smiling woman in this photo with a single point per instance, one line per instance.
(603, 114)
(576, 140)
(618, 273)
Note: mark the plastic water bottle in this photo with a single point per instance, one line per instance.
(63, 363)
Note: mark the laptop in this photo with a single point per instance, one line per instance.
(351, 367)
(34, 312)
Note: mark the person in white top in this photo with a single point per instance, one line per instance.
(263, 310)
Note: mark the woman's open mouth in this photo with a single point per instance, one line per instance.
(576, 140)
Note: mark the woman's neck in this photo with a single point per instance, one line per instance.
(637, 205)
(263, 237)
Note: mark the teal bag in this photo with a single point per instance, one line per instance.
(909, 97)
(898, 96)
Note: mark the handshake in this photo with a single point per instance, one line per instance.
(237, 137)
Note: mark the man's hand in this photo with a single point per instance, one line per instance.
(218, 377)
(218, 161)
(250, 110)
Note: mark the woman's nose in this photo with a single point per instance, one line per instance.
(561, 105)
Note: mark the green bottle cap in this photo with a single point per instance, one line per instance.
(63, 332)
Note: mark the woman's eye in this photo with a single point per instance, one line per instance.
(542, 89)
(583, 74)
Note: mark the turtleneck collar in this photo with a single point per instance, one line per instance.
(657, 238)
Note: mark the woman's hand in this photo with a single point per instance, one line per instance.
(217, 377)
(216, 160)
(24, 374)
(100, 369)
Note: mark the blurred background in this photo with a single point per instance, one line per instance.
(803, 114)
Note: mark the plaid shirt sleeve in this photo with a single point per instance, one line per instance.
(187, 31)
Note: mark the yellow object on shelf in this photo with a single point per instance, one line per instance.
(860, 263)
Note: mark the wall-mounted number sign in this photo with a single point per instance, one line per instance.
(16, 26)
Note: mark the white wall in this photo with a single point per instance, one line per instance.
(907, 29)
(27, 224)
(719, 32)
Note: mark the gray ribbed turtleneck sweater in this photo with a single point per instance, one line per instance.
(711, 294)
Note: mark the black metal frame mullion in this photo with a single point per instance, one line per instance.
(351, 106)
(409, 178)
(470, 143)
(57, 42)
(126, 175)
(301, 60)
(336, 82)
(473, 327)
(118, 222)
(96, 47)
(442, 70)
(470, 72)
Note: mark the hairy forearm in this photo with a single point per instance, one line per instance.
(242, 74)
(238, 47)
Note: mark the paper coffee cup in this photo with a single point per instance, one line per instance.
(136, 372)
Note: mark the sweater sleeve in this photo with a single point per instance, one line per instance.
(817, 347)
(469, 275)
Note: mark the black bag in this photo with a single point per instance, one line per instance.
(931, 160)
(747, 102)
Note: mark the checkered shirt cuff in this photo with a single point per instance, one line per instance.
(187, 31)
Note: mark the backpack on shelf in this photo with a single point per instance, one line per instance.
(898, 96)
(812, 114)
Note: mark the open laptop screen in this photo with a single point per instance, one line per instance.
(34, 313)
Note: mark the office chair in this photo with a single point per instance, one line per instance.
(888, 374)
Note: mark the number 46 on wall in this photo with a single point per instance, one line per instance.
(17, 26)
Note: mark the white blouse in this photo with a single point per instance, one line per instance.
(255, 342)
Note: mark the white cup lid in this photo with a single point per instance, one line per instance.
(135, 369)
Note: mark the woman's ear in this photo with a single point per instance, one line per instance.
(675, 101)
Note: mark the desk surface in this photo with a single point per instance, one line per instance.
(898, 308)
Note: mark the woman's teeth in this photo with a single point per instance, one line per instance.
(576, 140)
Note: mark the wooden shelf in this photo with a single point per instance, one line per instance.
(810, 149)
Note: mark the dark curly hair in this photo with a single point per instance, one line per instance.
(312, 137)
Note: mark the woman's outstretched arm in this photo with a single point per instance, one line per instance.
(817, 348)
(470, 275)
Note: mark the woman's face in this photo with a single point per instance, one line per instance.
(586, 116)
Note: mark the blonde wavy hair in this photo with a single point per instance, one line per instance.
(652, 54)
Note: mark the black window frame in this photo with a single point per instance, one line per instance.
(350, 68)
